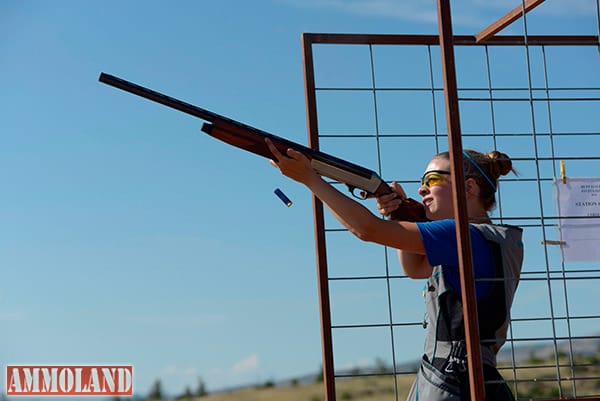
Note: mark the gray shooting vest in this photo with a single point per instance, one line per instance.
(443, 371)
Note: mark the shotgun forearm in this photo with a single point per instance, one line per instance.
(253, 140)
(356, 177)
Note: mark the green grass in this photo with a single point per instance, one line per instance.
(379, 388)
(532, 382)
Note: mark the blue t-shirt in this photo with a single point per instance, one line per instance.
(439, 239)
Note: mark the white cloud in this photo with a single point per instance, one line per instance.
(361, 363)
(468, 13)
(569, 7)
(245, 371)
(11, 316)
(249, 364)
(415, 10)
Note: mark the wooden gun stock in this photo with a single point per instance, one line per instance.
(252, 140)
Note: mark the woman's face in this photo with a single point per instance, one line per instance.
(437, 198)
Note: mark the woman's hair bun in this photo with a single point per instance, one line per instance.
(500, 164)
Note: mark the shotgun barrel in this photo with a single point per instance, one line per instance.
(253, 140)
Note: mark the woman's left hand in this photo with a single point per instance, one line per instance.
(295, 165)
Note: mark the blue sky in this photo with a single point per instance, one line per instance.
(129, 237)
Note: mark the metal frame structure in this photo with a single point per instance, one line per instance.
(446, 42)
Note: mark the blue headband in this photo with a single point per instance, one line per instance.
(474, 163)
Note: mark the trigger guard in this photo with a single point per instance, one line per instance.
(362, 195)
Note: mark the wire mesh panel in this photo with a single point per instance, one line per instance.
(378, 101)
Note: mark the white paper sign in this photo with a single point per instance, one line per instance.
(579, 197)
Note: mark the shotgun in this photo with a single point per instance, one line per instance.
(362, 182)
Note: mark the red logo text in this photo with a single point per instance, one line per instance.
(69, 380)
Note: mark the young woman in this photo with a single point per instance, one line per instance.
(428, 250)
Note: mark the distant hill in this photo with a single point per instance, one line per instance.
(373, 384)
(582, 347)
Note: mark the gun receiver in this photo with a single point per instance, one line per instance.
(253, 140)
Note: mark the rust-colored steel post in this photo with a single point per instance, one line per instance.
(460, 204)
(313, 142)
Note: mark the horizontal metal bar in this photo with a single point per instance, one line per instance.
(530, 339)
(441, 135)
(370, 326)
(373, 374)
(545, 366)
(557, 380)
(559, 278)
(581, 271)
(535, 99)
(567, 278)
(532, 319)
(524, 218)
(352, 278)
(459, 40)
(439, 89)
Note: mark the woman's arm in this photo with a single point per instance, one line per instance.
(354, 216)
(414, 265)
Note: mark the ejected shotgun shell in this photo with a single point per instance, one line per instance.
(283, 198)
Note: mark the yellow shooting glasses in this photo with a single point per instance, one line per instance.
(434, 177)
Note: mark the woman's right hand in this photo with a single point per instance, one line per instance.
(386, 204)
